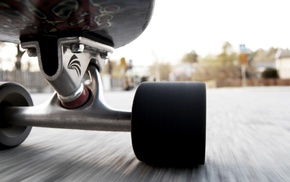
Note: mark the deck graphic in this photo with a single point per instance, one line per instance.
(116, 20)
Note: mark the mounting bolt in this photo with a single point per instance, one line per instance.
(104, 55)
(77, 48)
(32, 52)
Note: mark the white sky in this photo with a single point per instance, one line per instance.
(177, 27)
(180, 26)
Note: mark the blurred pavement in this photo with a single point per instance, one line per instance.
(248, 139)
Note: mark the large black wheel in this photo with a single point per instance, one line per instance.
(169, 124)
(12, 94)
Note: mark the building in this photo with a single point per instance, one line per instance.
(283, 63)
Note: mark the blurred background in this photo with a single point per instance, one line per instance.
(224, 43)
(228, 44)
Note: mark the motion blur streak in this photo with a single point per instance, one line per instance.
(248, 133)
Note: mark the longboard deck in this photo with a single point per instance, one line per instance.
(113, 22)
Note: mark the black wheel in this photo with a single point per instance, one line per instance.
(12, 94)
(169, 124)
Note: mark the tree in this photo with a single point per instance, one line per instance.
(218, 67)
(161, 71)
(227, 57)
(190, 57)
(2, 44)
(261, 55)
(270, 73)
(18, 57)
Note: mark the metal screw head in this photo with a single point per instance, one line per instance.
(77, 48)
(104, 55)
(32, 52)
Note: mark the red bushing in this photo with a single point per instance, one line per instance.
(78, 102)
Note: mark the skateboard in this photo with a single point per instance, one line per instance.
(72, 40)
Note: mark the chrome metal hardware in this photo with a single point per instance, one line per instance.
(94, 115)
(73, 56)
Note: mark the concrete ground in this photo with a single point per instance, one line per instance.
(248, 139)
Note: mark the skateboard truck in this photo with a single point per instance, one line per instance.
(93, 115)
(65, 68)
(167, 121)
(82, 101)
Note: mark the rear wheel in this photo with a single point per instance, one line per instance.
(169, 123)
(12, 94)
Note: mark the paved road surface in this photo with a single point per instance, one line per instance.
(248, 139)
